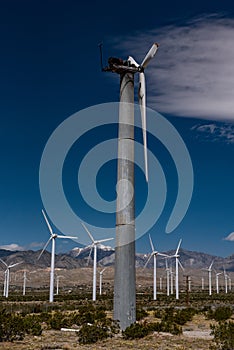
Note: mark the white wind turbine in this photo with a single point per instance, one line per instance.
(230, 283)
(24, 281)
(94, 247)
(168, 278)
(177, 263)
(7, 277)
(57, 283)
(100, 281)
(225, 280)
(202, 283)
(160, 283)
(52, 238)
(125, 270)
(209, 269)
(171, 278)
(217, 274)
(189, 283)
(154, 254)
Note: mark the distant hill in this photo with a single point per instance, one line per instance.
(82, 257)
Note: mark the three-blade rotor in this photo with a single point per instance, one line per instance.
(52, 234)
(94, 242)
(154, 252)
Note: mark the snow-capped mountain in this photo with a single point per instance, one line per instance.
(103, 251)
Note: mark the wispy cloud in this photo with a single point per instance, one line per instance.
(230, 237)
(35, 245)
(216, 132)
(16, 246)
(192, 74)
(12, 247)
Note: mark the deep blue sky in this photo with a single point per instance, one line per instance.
(49, 69)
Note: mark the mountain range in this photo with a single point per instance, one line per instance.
(82, 257)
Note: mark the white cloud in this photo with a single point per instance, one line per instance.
(35, 245)
(12, 247)
(219, 132)
(230, 237)
(192, 74)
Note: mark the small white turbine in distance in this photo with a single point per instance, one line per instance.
(7, 277)
(209, 270)
(154, 254)
(225, 280)
(168, 277)
(52, 238)
(25, 279)
(94, 247)
(177, 262)
(100, 281)
(217, 274)
(57, 283)
(142, 96)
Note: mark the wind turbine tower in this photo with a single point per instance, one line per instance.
(209, 277)
(168, 278)
(24, 281)
(52, 238)
(57, 283)
(225, 280)
(100, 281)
(125, 274)
(94, 246)
(7, 277)
(217, 281)
(177, 263)
(154, 253)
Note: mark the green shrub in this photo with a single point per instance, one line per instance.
(59, 320)
(170, 327)
(94, 324)
(222, 313)
(32, 324)
(184, 315)
(140, 330)
(136, 330)
(140, 314)
(92, 333)
(11, 327)
(223, 336)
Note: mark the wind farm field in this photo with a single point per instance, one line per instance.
(75, 294)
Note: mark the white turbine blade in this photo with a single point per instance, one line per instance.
(165, 255)
(142, 103)
(68, 237)
(148, 260)
(89, 255)
(45, 246)
(178, 247)
(4, 262)
(180, 265)
(47, 222)
(101, 272)
(151, 243)
(151, 53)
(103, 240)
(211, 265)
(132, 61)
(13, 265)
(91, 237)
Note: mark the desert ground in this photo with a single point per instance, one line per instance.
(196, 333)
